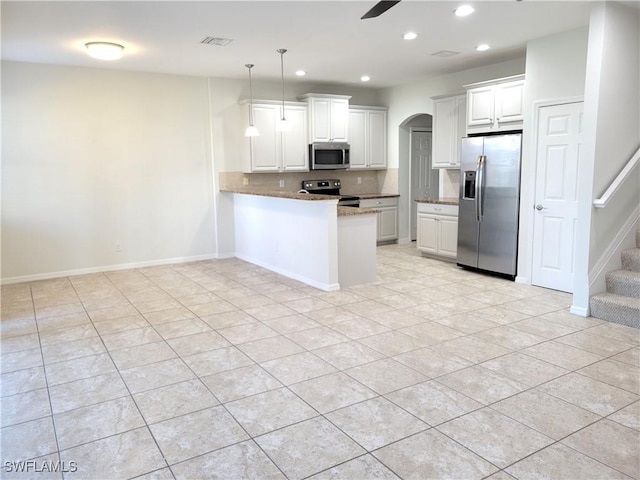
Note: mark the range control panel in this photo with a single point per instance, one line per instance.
(310, 185)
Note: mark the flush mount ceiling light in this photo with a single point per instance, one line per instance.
(105, 50)
(464, 10)
(410, 36)
(483, 47)
(283, 124)
(301, 73)
(365, 78)
(251, 131)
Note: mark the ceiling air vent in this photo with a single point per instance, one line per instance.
(218, 41)
(444, 53)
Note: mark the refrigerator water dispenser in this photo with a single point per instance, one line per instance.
(469, 185)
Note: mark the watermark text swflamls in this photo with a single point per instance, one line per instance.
(23, 466)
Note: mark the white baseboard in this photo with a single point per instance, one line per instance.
(105, 268)
(581, 311)
(523, 280)
(327, 287)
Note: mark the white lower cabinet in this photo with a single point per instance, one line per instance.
(387, 217)
(438, 229)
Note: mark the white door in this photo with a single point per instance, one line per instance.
(559, 145)
(424, 179)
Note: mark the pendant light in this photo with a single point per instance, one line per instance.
(283, 124)
(251, 130)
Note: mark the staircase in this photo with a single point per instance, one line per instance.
(621, 302)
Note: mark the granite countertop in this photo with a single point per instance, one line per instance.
(300, 196)
(441, 201)
(351, 211)
(277, 193)
(374, 195)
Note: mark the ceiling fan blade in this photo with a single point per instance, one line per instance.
(379, 8)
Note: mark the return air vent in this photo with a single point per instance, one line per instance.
(444, 53)
(218, 41)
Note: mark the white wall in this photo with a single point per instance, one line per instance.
(91, 158)
(612, 123)
(407, 100)
(555, 71)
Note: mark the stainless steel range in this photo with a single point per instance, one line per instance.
(330, 187)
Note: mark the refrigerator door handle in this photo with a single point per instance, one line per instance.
(480, 183)
(478, 192)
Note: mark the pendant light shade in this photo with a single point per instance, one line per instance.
(251, 130)
(283, 124)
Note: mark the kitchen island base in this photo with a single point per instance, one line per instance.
(300, 238)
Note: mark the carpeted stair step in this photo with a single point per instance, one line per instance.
(616, 308)
(624, 282)
(631, 259)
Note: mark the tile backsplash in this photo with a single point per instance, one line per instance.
(450, 183)
(353, 182)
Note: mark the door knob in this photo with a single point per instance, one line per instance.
(540, 207)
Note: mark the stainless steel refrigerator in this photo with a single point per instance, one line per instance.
(489, 203)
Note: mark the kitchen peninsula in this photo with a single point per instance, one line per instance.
(305, 237)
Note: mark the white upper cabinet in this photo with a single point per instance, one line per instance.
(295, 147)
(328, 117)
(481, 103)
(275, 151)
(367, 137)
(495, 106)
(448, 129)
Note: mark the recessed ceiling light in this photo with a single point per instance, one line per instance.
(464, 10)
(410, 36)
(365, 78)
(301, 73)
(105, 50)
(482, 47)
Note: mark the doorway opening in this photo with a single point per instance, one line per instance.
(415, 146)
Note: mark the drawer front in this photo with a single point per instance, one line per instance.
(437, 209)
(379, 202)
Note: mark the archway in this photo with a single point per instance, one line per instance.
(419, 179)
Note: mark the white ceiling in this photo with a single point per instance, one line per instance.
(325, 38)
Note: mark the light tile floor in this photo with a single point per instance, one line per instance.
(220, 369)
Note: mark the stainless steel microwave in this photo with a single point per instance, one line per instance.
(329, 155)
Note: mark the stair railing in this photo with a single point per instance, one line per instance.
(619, 180)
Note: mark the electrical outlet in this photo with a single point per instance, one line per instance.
(245, 180)
(358, 180)
(118, 247)
(281, 183)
